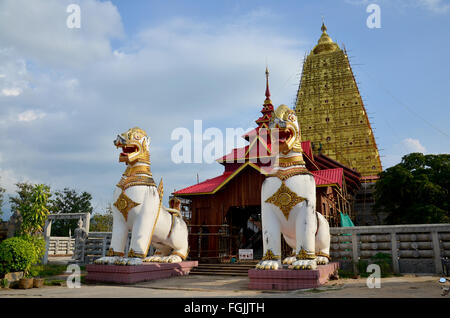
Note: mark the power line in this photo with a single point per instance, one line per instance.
(405, 105)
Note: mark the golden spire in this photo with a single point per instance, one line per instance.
(267, 84)
(325, 43)
(323, 28)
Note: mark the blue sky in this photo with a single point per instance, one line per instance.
(65, 93)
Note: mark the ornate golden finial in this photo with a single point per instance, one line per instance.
(323, 28)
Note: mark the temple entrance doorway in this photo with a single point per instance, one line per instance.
(245, 229)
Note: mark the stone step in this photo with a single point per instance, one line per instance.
(223, 269)
(226, 266)
(214, 273)
(243, 270)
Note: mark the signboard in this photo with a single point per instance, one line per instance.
(245, 253)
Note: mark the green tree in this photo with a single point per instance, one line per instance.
(417, 190)
(69, 201)
(102, 222)
(24, 194)
(32, 203)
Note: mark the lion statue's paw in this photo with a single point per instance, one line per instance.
(128, 261)
(120, 261)
(270, 264)
(106, 260)
(289, 260)
(134, 261)
(153, 259)
(304, 264)
(322, 260)
(171, 259)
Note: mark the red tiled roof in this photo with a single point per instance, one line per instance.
(236, 153)
(328, 176)
(322, 177)
(306, 146)
(205, 186)
(259, 148)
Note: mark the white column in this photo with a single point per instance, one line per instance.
(47, 231)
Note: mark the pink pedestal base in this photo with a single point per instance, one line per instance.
(289, 279)
(137, 273)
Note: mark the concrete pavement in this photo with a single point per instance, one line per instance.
(409, 286)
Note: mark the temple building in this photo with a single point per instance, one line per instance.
(226, 210)
(332, 116)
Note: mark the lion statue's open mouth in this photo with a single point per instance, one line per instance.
(133, 145)
(284, 129)
(126, 152)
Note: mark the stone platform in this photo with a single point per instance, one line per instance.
(131, 274)
(289, 279)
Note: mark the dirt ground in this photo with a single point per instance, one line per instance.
(192, 286)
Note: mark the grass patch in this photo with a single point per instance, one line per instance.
(316, 291)
(345, 274)
(55, 282)
(383, 260)
(47, 270)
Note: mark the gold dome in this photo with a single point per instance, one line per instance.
(325, 43)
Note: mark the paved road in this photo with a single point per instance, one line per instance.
(225, 286)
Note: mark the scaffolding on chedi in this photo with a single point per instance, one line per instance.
(331, 112)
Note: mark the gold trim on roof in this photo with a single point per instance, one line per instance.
(248, 163)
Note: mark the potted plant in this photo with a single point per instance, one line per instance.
(34, 212)
(18, 254)
(38, 282)
(4, 283)
(26, 283)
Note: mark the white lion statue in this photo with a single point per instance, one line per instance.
(288, 201)
(138, 208)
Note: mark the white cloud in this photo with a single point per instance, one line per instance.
(30, 115)
(434, 6)
(413, 145)
(37, 30)
(166, 76)
(11, 91)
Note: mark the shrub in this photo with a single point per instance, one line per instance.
(383, 260)
(16, 254)
(39, 246)
(4, 283)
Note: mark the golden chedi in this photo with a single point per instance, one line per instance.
(331, 112)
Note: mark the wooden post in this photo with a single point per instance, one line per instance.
(355, 254)
(199, 242)
(436, 252)
(394, 253)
